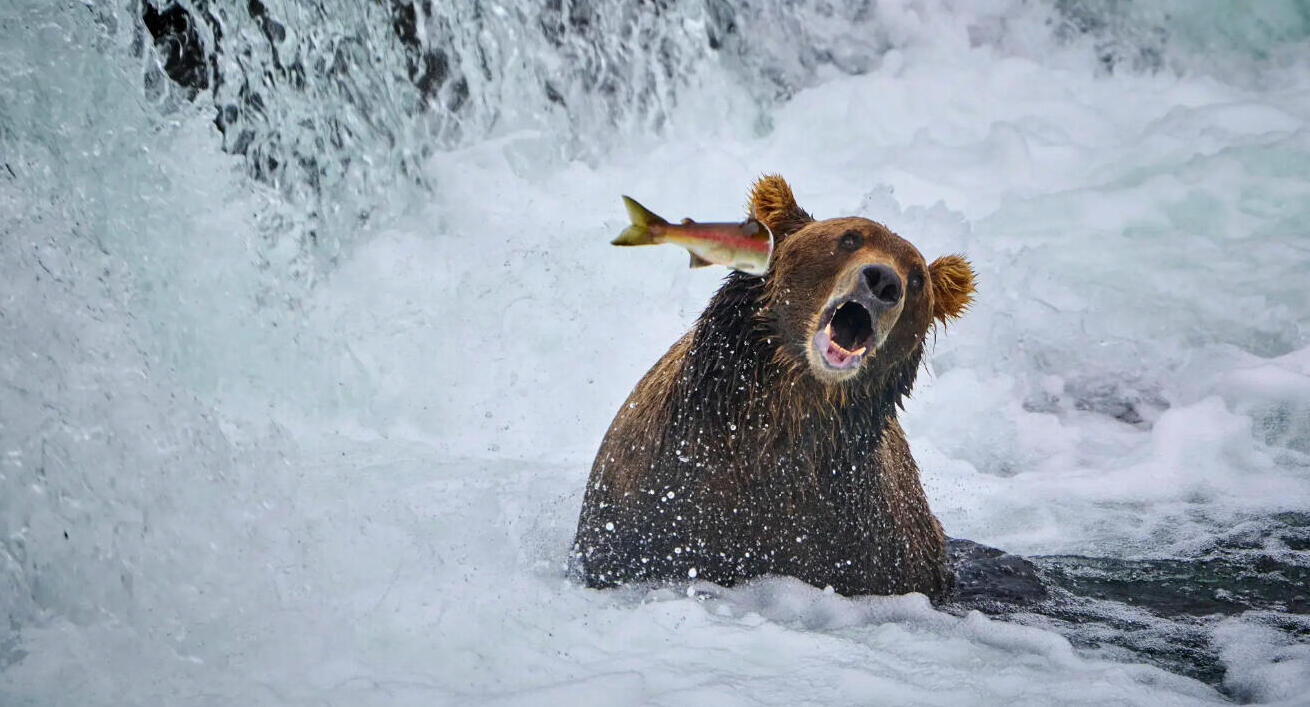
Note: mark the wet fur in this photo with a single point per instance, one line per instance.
(731, 460)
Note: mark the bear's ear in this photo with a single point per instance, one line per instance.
(773, 204)
(952, 287)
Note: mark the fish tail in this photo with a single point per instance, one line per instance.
(639, 233)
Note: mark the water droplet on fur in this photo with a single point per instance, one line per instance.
(609, 526)
(692, 573)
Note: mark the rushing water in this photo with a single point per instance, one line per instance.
(308, 328)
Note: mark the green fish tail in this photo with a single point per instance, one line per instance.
(639, 232)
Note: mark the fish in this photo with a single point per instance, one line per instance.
(746, 246)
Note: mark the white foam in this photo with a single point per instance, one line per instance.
(1262, 663)
(364, 493)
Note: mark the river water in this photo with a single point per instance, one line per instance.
(309, 328)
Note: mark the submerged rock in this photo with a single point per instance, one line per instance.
(986, 577)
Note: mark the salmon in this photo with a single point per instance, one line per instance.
(746, 246)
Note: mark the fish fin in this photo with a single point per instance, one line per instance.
(642, 219)
(634, 235)
(640, 215)
(699, 262)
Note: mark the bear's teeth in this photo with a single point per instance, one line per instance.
(842, 350)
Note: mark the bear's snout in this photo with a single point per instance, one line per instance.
(883, 285)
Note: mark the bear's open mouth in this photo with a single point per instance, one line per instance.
(846, 337)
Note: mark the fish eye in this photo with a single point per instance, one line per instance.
(850, 241)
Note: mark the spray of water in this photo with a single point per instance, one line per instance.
(308, 330)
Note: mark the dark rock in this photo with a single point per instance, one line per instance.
(988, 576)
(186, 60)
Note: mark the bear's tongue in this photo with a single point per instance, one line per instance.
(837, 356)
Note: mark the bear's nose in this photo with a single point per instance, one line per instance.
(884, 284)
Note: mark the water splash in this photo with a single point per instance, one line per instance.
(359, 270)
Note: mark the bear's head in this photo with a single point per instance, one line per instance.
(846, 295)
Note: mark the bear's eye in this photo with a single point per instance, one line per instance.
(850, 241)
(916, 280)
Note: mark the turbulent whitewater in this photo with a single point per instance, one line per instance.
(309, 327)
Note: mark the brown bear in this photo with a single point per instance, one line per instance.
(766, 441)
